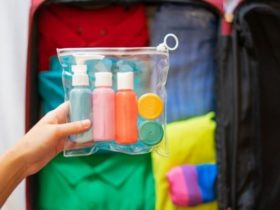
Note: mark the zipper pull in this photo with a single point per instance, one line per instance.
(164, 46)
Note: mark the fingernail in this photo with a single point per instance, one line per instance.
(86, 123)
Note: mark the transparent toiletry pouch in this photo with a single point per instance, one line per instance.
(122, 92)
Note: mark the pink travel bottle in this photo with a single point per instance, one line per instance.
(103, 98)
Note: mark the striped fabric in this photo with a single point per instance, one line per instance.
(191, 185)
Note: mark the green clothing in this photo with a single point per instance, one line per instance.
(105, 182)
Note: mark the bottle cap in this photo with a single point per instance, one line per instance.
(125, 80)
(103, 79)
(151, 132)
(80, 77)
(150, 106)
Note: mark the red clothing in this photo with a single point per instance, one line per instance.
(62, 26)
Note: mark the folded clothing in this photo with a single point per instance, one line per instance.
(189, 142)
(191, 185)
(50, 86)
(99, 182)
(191, 79)
(62, 26)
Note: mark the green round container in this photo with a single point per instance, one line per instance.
(151, 132)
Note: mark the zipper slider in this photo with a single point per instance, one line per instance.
(164, 45)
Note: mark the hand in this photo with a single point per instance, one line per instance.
(46, 139)
(37, 148)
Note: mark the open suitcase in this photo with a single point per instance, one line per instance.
(247, 83)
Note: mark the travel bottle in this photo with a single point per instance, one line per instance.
(103, 98)
(80, 101)
(126, 109)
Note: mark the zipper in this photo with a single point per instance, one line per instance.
(235, 117)
(162, 48)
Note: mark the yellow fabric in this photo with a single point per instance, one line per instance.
(189, 142)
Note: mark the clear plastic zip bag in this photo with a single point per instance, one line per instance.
(122, 92)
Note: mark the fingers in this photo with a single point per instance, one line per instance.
(72, 128)
(61, 112)
(58, 115)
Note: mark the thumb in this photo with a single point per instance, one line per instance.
(72, 128)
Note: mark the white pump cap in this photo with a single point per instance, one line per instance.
(125, 80)
(103, 79)
(80, 77)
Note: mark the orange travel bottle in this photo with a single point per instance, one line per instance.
(126, 110)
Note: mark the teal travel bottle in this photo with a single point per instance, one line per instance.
(80, 101)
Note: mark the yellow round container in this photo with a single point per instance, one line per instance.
(150, 106)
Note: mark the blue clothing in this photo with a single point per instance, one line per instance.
(191, 77)
(207, 176)
(50, 86)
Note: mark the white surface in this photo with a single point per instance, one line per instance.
(125, 80)
(103, 79)
(13, 44)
